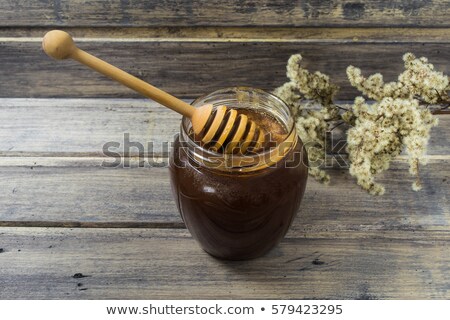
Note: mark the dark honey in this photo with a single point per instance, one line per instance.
(240, 215)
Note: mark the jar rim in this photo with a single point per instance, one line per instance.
(239, 162)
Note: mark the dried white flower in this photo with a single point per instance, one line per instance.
(419, 80)
(398, 120)
(311, 125)
(379, 135)
(314, 86)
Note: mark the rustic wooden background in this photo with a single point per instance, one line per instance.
(192, 47)
(61, 213)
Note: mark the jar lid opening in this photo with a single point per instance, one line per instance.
(259, 102)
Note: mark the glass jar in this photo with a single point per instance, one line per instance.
(239, 206)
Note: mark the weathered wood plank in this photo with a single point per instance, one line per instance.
(50, 177)
(224, 13)
(87, 194)
(39, 263)
(189, 69)
(98, 197)
(80, 127)
(247, 34)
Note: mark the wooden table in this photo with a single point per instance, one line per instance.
(72, 229)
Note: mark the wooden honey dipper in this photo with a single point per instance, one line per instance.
(216, 128)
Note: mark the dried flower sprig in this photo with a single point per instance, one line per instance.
(398, 120)
(311, 125)
(380, 133)
(419, 81)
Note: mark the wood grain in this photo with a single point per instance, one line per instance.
(51, 173)
(190, 69)
(39, 263)
(224, 13)
(80, 128)
(239, 34)
(115, 197)
(62, 213)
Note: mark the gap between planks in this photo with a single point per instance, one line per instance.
(36, 159)
(95, 225)
(307, 231)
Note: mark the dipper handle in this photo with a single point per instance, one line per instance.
(60, 45)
